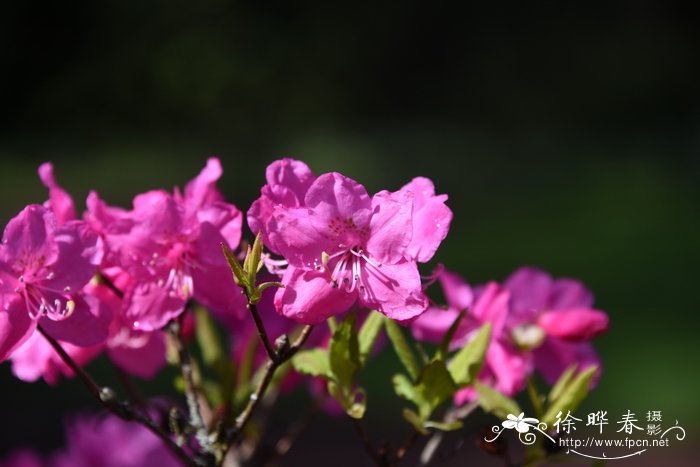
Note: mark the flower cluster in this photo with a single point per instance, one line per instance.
(119, 281)
(537, 323)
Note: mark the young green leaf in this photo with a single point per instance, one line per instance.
(415, 420)
(344, 352)
(312, 362)
(404, 388)
(403, 350)
(368, 334)
(571, 396)
(562, 383)
(466, 364)
(239, 276)
(435, 386)
(444, 426)
(496, 403)
(442, 350)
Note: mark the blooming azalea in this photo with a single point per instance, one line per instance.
(43, 266)
(555, 319)
(505, 367)
(341, 245)
(168, 245)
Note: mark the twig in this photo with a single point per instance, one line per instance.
(401, 452)
(452, 415)
(185, 364)
(271, 352)
(284, 353)
(107, 398)
(378, 459)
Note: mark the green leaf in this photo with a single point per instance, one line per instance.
(313, 362)
(239, 276)
(403, 350)
(353, 401)
(444, 426)
(445, 344)
(435, 386)
(404, 388)
(496, 403)
(254, 260)
(344, 352)
(415, 420)
(214, 354)
(571, 396)
(562, 383)
(368, 334)
(466, 364)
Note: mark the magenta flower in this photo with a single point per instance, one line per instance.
(556, 319)
(130, 445)
(43, 267)
(505, 367)
(35, 359)
(169, 246)
(343, 246)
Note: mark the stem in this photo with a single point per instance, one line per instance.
(255, 398)
(107, 398)
(401, 452)
(262, 333)
(378, 459)
(185, 364)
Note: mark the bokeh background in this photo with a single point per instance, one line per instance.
(566, 136)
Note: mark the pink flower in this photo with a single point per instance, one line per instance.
(169, 246)
(43, 267)
(37, 359)
(556, 319)
(108, 441)
(343, 246)
(505, 367)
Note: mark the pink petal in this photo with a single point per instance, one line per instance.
(334, 197)
(574, 324)
(492, 306)
(509, 367)
(87, 325)
(142, 356)
(80, 252)
(15, 327)
(458, 293)
(292, 175)
(554, 356)
(226, 219)
(394, 290)
(432, 325)
(202, 190)
(569, 293)
(300, 237)
(59, 202)
(148, 307)
(28, 241)
(530, 289)
(308, 297)
(389, 228)
(431, 219)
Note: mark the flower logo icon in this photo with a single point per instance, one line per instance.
(520, 423)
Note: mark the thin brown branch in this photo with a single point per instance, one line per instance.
(379, 460)
(282, 355)
(107, 398)
(406, 446)
(271, 352)
(191, 393)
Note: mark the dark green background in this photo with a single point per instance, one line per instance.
(566, 136)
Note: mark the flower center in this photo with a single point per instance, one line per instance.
(348, 269)
(38, 305)
(528, 336)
